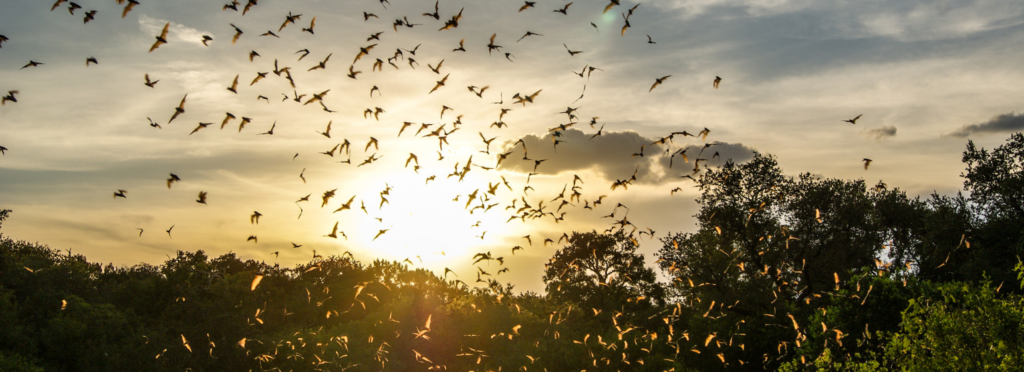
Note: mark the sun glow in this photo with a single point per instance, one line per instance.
(431, 223)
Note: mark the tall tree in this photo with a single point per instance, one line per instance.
(769, 247)
(994, 181)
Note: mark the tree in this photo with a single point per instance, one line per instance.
(770, 247)
(960, 327)
(995, 178)
(602, 271)
(995, 183)
(969, 237)
(766, 236)
(17, 363)
(4, 213)
(855, 323)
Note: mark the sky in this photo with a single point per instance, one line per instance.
(924, 77)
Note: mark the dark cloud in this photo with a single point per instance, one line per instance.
(881, 133)
(612, 155)
(737, 152)
(1001, 123)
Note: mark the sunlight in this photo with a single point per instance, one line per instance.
(510, 186)
(429, 223)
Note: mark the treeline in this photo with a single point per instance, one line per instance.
(783, 273)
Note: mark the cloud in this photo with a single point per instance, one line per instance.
(737, 152)
(881, 133)
(754, 8)
(931, 20)
(1001, 123)
(615, 155)
(908, 20)
(177, 31)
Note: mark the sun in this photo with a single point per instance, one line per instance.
(427, 221)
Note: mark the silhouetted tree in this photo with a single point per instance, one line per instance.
(602, 271)
(791, 273)
(987, 229)
(995, 179)
(769, 247)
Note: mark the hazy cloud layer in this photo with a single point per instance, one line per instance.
(1002, 123)
(881, 133)
(616, 155)
(911, 20)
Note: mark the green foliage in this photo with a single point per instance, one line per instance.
(960, 327)
(827, 362)
(17, 363)
(848, 331)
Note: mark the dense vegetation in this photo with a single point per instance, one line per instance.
(789, 273)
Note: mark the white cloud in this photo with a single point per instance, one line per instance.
(177, 31)
(930, 20)
(909, 20)
(755, 8)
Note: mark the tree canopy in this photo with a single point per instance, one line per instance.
(782, 272)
